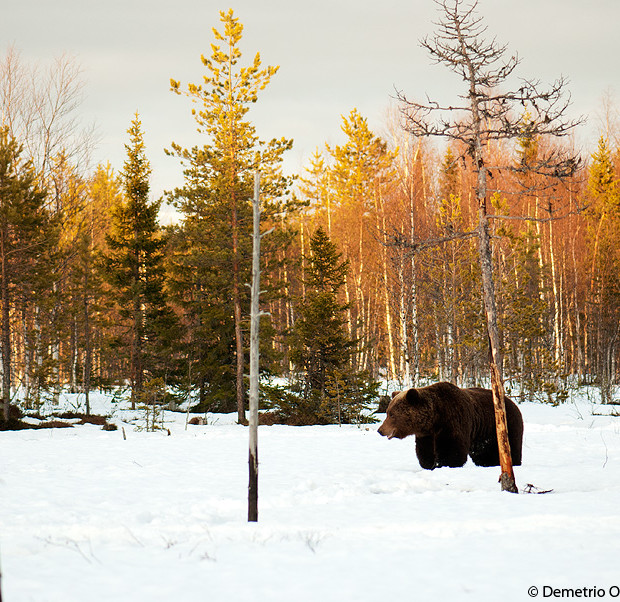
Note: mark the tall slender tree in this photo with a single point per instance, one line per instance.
(219, 174)
(603, 214)
(360, 173)
(134, 267)
(25, 239)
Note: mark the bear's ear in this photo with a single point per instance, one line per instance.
(412, 396)
(395, 393)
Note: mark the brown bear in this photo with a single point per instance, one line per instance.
(450, 423)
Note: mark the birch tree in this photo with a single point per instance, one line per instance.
(485, 114)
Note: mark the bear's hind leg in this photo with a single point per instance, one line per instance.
(515, 449)
(485, 452)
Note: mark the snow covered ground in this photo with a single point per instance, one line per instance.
(344, 515)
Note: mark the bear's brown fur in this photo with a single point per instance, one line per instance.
(450, 423)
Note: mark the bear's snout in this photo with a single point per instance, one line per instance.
(386, 431)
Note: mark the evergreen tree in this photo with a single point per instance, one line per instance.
(360, 177)
(219, 183)
(449, 176)
(26, 240)
(134, 271)
(525, 316)
(330, 391)
(604, 224)
(100, 318)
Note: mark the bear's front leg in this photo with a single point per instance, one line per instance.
(425, 450)
(450, 450)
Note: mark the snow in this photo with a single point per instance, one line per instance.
(344, 514)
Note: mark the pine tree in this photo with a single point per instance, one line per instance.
(361, 172)
(219, 182)
(26, 238)
(134, 271)
(604, 224)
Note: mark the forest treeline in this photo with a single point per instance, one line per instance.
(369, 268)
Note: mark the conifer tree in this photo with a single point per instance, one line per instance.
(134, 270)
(219, 183)
(25, 240)
(604, 224)
(321, 347)
(361, 169)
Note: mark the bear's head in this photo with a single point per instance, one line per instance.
(409, 413)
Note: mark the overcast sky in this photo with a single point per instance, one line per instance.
(334, 55)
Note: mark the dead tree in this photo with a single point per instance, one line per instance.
(484, 114)
(254, 356)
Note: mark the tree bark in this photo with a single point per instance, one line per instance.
(507, 478)
(237, 315)
(254, 356)
(87, 347)
(6, 332)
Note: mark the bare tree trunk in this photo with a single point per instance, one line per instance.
(386, 296)
(27, 385)
(254, 356)
(414, 305)
(507, 478)
(5, 334)
(405, 359)
(303, 262)
(87, 348)
(237, 315)
(578, 345)
(136, 378)
(74, 356)
(347, 297)
(557, 307)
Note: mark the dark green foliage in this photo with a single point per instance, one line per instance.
(134, 271)
(346, 400)
(326, 390)
(604, 258)
(200, 282)
(27, 241)
(525, 319)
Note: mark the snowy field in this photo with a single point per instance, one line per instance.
(344, 515)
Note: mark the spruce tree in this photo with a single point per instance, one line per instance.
(134, 271)
(330, 391)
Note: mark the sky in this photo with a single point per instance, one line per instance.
(334, 55)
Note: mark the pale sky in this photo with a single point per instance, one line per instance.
(334, 55)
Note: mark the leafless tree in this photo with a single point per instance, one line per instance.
(485, 113)
(40, 106)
